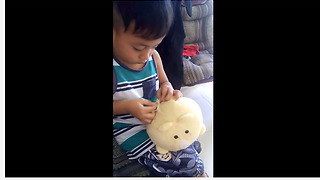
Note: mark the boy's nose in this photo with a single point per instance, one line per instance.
(145, 54)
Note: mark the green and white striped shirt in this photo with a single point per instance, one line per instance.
(129, 131)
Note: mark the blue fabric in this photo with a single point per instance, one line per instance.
(182, 163)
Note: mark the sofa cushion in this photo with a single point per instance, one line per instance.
(197, 70)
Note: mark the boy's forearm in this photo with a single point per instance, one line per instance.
(120, 107)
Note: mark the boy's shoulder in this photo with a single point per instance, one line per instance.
(156, 56)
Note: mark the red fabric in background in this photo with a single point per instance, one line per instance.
(190, 50)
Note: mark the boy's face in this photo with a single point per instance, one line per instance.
(132, 50)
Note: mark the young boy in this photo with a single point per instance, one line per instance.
(139, 80)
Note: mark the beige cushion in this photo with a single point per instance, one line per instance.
(197, 70)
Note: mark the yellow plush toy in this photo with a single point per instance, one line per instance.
(177, 125)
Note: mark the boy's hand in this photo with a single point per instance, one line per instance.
(166, 92)
(142, 109)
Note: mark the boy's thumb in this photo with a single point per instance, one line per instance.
(147, 102)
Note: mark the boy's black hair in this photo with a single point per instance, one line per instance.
(152, 19)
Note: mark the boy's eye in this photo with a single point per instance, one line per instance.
(137, 49)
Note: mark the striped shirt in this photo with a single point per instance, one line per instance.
(129, 131)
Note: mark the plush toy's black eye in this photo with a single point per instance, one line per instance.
(187, 131)
(176, 137)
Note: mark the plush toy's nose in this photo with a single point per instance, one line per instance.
(183, 144)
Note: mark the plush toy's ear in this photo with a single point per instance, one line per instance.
(164, 127)
(186, 117)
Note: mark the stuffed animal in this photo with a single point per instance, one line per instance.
(177, 125)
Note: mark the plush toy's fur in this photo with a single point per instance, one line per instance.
(177, 125)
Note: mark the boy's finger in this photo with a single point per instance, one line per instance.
(168, 97)
(177, 95)
(151, 109)
(147, 121)
(147, 102)
(159, 94)
(149, 117)
(165, 94)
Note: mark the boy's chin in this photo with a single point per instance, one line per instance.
(142, 62)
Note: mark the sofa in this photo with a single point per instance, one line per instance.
(197, 85)
(199, 32)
